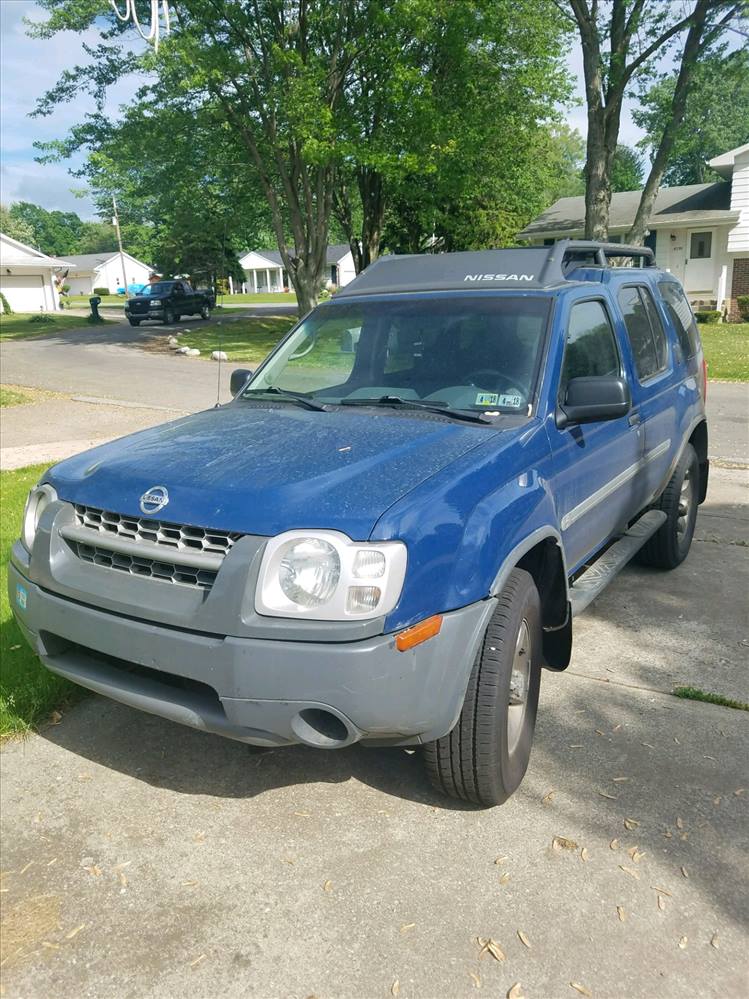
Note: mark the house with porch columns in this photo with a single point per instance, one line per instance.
(699, 232)
(265, 272)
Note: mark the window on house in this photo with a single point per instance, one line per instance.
(700, 245)
(648, 342)
(591, 345)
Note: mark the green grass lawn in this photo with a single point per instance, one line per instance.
(726, 347)
(28, 692)
(23, 324)
(13, 397)
(82, 301)
(241, 339)
(277, 298)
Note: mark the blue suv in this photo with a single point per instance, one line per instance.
(386, 533)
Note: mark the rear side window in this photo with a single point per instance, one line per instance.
(591, 344)
(681, 315)
(645, 331)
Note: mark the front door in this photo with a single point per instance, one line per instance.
(595, 464)
(699, 264)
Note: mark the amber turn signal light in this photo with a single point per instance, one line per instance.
(418, 633)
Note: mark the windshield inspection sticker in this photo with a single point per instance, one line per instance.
(487, 399)
(513, 399)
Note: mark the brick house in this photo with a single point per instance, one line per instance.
(699, 232)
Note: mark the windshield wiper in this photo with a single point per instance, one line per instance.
(429, 407)
(297, 397)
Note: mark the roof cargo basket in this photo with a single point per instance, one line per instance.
(521, 268)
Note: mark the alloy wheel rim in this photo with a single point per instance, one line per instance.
(686, 502)
(520, 677)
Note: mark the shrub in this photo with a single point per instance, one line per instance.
(707, 316)
(43, 319)
(6, 309)
(101, 291)
(742, 303)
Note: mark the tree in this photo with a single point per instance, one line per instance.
(716, 117)
(16, 228)
(55, 232)
(626, 169)
(620, 40)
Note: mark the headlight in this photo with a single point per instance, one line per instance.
(39, 499)
(156, 301)
(325, 576)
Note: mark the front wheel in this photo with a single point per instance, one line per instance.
(486, 755)
(670, 544)
(205, 312)
(168, 317)
(134, 322)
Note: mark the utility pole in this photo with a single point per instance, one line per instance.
(116, 224)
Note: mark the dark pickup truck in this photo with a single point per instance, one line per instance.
(167, 301)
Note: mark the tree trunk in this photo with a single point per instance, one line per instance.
(692, 48)
(373, 206)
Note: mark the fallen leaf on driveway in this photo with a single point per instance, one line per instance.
(739, 791)
(621, 913)
(684, 872)
(661, 903)
(576, 745)
(328, 886)
(524, 939)
(679, 823)
(26, 867)
(636, 854)
(611, 797)
(515, 991)
(500, 860)
(548, 798)
(395, 988)
(631, 823)
(717, 801)
(504, 879)
(714, 941)
(683, 943)
(562, 843)
(580, 988)
(94, 869)
(632, 873)
(475, 978)
(75, 932)
(618, 780)
(199, 837)
(584, 853)
(663, 891)
(407, 926)
(490, 946)
(614, 844)
(196, 962)
(55, 718)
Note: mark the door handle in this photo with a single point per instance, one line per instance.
(634, 419)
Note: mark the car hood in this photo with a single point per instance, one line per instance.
(262, 470)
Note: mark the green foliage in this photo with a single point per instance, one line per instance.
(28, 691)
(742, 303)
(695, 694)
(5, 308)
(707, 316)
(626, 170)
(716, 120)
(56, 233)
(42, 319)
(101, 291)
(15, 227)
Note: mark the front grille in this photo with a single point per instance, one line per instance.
(158, 532)
(139, 306)
(138, 565)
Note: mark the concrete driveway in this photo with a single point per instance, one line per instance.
(143, 859)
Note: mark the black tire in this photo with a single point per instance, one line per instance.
(670, 544)
(205, 312)
(177, 317)
(485, 757)
(168, 317)
(134, 322)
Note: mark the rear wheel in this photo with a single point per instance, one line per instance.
(205, 312)
(670, 544)
(485, 756)
(168, 317)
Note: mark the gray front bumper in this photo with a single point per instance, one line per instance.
(261, 691)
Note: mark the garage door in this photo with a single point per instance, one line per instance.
(25, 292)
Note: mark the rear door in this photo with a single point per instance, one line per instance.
(595, 464)
(654, 378)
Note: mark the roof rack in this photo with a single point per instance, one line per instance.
(525, 267)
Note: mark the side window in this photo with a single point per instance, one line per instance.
(178, 289)
(659, 334)
(649, 360)
(591, 344)
(680, 312)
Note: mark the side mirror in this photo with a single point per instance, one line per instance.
(239, 378)
(594, 399)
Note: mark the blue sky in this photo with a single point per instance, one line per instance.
(28, 67)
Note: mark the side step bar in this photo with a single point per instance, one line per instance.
(595, 579)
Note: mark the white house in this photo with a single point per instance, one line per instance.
(27, 277)
(699, 232)
(104, 270)
(265, 272)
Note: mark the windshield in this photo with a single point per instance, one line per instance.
(160, 288)
(478, 353)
